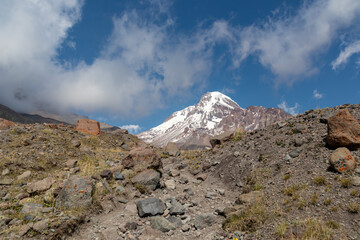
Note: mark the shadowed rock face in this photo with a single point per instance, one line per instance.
(212, 116)
(88, 126)
(343, 130)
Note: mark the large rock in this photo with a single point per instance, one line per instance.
(204, 220)
(31, 208)
(77, 192)
(149, 178)
(343, 130)
(141, 159)
(342, 161)
(150, 207)
(40, 186)
(88, 126)
(5, 124)
(160, 223)
(172, 149)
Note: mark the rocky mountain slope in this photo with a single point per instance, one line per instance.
(215, 114)
(291, 180)
(11, 115)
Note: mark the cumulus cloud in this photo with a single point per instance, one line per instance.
(294, 110)
(345, 54)
(287, 45)
(133, 129)
(141, 65)
(317, 95)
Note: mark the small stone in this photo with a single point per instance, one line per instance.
(118, 176)
(170, 184)
(5, 172)
(356, 180)
(120, 190)
(6, 181)
(23, 230)
(201, 177)
(210, 195)
(174, 173)
(131, 226)
(71, 163)
(176, 208)
(236, 154)
(24, 175)
(31, 208)
(221, 192)
(28, 217)
(22, 196)
(183, 180)
(295, 153)
(185, 228)
(250, 198)
(175, 220)
(39, 186)
(75, 143)
(107, 174)
(41, 225)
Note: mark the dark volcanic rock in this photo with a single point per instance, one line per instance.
(150, 207)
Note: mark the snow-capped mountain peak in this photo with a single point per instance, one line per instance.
(214, 114)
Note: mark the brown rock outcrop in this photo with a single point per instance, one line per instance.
(141, 159)
(5, 124)
(88, 126)
(343, 130)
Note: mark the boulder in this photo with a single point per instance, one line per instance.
(204, 220)
(40, 186)
(107, 174)
(24, 175)
(149, 178)
(88, 126)
(160, 223)
(343, 130)
(5, 124)
(172, 149)
(341, 160)
(77, 192)
(141, 159)
(150, 207)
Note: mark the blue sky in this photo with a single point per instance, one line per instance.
(135, 62)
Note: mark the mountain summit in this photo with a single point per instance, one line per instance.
(215, 114)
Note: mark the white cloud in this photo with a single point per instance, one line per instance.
(288, 45)
(345, 54)
(291, 110)
(141, 65)
(133, 129)
(317, 95)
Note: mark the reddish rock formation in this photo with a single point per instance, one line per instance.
(343, 130)
(141, 159)
(5, 124)
(88, 126)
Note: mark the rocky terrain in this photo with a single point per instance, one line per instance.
(215, 114)
(295, 179)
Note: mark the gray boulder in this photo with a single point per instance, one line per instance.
(160, 223)
(150, 207)
(149, 178)
(77, 192)
(204, 220)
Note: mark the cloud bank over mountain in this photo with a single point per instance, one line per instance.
(144, 62)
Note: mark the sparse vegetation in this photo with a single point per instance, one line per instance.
(346, 182)
(353, 207)
(287, 177)
(238, 135)
(249, 219)
(327, 202)
(320, 180)
(354, 193)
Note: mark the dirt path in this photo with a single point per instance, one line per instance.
(208, 196)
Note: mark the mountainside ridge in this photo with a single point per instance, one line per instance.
(215, 114)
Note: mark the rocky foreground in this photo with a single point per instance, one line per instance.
(297, 179)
